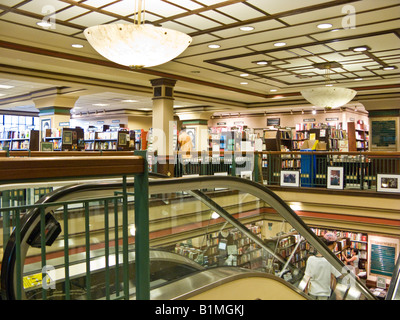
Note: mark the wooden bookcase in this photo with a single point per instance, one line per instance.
(20, 141)
(358, 135)
(278, 140)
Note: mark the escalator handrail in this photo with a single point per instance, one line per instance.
(159, 186)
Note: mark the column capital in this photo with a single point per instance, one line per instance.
(163, 82)
(55, 104)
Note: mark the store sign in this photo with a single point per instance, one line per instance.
(63, 124)
(221, 123)
(238, 122)
(116, 121)
(309, 120)
(273, 122)
(331, 119)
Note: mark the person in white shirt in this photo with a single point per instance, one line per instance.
(320, 274)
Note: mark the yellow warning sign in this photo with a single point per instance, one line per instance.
(34, 280)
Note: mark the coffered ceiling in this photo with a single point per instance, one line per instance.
(284, 35)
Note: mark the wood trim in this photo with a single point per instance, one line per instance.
(22, 169)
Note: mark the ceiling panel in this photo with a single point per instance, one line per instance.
(241, 11)
(43, 7)
(92, 19)
(163, 8)
(273, 7)
(198, 22)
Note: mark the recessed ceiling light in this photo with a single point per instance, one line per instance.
(384, 68)
(247, 28)
(273, 90)
(2, 94)
(324, 26)
(280, 44)
(214, 46)
(244, 83)
(262, 63)
(360, 49)
(129, 100)
(357, 79)
(44, 24)
(244, 74)
(329, 85)
(77, 45)
(4, 86)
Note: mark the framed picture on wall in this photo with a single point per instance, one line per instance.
(388, 182)
(45, 124)
(335, 178)
(290, 178)
(191, 131)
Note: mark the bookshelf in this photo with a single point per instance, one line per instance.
(20, 141)
(66, 139)
(229, 247)
(332, 135)
(356, 240)
(107, 140)
(278, 140)
(358, 136)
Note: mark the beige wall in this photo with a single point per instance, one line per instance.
(288, 120)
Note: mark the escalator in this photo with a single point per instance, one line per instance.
(171, 276)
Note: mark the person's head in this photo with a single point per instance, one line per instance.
(329, 239)
(355, 251)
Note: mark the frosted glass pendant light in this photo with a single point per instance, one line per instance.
(137, 45)
(328, 97)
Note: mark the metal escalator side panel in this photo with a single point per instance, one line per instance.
(223, 283)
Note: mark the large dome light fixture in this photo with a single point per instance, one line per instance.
(328, 97)
(137, 45)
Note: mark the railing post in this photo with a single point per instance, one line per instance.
(142, 246)
(256, 167)
(233, 172)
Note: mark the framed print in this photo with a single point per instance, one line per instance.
(67, 137)
(45, 124)
(290, 178)
(388, 182)
(191, 131)
(46, 146)
(335, 178)
(246, 175)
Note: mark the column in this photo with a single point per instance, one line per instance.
(164, 126)
(54, 112)
(197, 122)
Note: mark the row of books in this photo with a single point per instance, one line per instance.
(101, 145)
(15, 134)
(362, 144)
(293, 163)
(355, 236)
(53, 133)
(337, 134)
(108, 135)
(20, 145)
